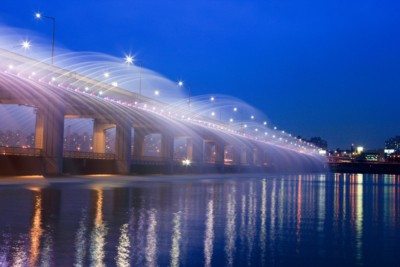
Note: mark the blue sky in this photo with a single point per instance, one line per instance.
(315, 68)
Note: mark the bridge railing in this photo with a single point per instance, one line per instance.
(20, 151)
(88, 155)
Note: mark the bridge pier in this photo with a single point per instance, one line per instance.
(49, 136)
(123, 146)
(167, 150)
(99, 136)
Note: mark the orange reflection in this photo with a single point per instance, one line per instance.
(36, 229)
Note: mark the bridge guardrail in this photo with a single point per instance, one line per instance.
(20, 151)
(88, 155)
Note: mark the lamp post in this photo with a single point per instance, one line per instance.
(53, 19)
(130, 60)
(180, 83)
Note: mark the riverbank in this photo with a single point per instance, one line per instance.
(366, 167)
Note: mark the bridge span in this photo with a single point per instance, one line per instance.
(58, 94)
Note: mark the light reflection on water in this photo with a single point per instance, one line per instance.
(326, 219)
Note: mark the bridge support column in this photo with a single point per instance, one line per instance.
(235, 156)
(123, 145)
(243, 156)
(219, 153)
(99, 136)
(196, 150)
(167, 150)
(138, 143)
(49, 136)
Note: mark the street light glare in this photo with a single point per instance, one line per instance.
(26, 44)
(235, 109)
(38, 15)
(106, 74)
(180, 83)
(157, 92)
(212, 98)
(129, 59)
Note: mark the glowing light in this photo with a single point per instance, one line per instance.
(10, 67)
(106, 74)
(101, 92)
(33, 73)
(38, 15)
(115, 84)
(26, 44)
(186, 162)
(212, 98)
(245, 126)
(53, 79)
(252, 117)
(156, 92)
(86, 88)
(231, 120)
(129, 59)
(213, 113)
(265, 123)
(275, 128)
(256, 129)
(180, 83)
(235, 109)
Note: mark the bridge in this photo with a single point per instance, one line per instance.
(58, 94)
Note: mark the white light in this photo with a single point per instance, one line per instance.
(86, 88)
(26, 44)
(265, 123)
(245, 126)
(266, 133)
(235, 109)
(106, 74)
(212, 98)
(115, 84)
(180, 83)
(53, 79)
(231, 120)
(213, 113)
(275, 128)
(156, 92)
(10, 67)
(129, 59)
(101, 92)
(252, 117)
(38, 15)
(283, 131)
(256, 129)
(33, 73)
(186, 162)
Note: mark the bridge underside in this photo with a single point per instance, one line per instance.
(14, 165)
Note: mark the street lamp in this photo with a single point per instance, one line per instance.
(26, 44)
(53, 19)
(130, 60)
(180, 84)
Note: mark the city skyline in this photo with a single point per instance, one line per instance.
(315, 69)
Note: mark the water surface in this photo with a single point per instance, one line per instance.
(273, 220)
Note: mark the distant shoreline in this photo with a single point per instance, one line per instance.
(366, 167)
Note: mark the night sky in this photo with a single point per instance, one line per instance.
(315, 68)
